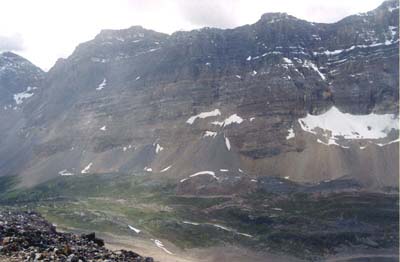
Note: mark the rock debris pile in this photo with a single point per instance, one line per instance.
(27, 236)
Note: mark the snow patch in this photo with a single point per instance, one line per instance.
(309, 64)
(337, 124)
(210, 173)
(215, 112)
(137, 231)
(287, 61)
(103, 128)
(228, 144)
(102, 85)
(148, 169)
(224, 170)
(128, 147)
(159, 148)
(230, 230)
(248, 58)
(159, 244)
(86, 169)
(166, 169)
(191, 223)
(228, 121)
(339, 51)
(210, 134)
(291, 134)
(331, 141)
(65, 172)
(20, 97)
(217, 226)
(316, 37)
(388, 143)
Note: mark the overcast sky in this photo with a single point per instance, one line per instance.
(44, 30)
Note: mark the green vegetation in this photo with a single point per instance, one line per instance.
(305, 225)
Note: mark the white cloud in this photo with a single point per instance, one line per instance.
(211, 13)
(52, 29)
(11, 43)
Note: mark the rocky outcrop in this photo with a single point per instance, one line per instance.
(27, 236)
(122, 102)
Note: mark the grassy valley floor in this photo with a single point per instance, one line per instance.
(243, 227)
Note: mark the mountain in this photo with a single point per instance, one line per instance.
(19, 81)
(272, 141)
(16, 75)
(284, 97)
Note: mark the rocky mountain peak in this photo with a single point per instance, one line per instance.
(390, 4)
(276, 17)
(11, 61)
(387, 8)
(121, 43)
(8, 54)
(17, 75)
(132, 33)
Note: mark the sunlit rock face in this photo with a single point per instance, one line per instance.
(281, 97)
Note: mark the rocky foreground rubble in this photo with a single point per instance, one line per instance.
(27, 236)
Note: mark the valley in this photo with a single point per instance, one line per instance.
(272, 141)
(303, 224)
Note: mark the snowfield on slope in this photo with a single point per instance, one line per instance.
(65, 172)
(291, 134)
(166, 169)
(334, 123)
(210, 134)
(159, 244)
(137, 231)
(228, 121)
(217, 226)
(158, 148)
(215, 112)
(86, 169)
(20, 97)
(210, 173)
(102, 85)
(228, 144)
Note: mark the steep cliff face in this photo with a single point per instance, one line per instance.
(231, 102)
